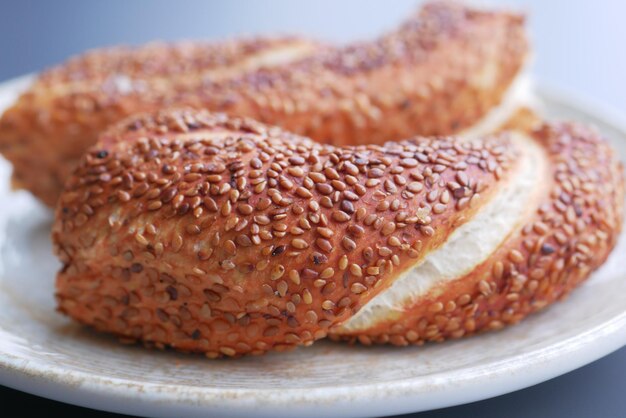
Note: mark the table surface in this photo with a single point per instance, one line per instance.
(578, 46)
(596, 390)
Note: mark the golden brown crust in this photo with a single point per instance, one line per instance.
(437, 74)
(167, 62)
(227, 237)
(575, 227)
(49, 128)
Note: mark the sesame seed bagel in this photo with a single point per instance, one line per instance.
(439, 73)
(220, 235)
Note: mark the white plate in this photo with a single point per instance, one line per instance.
(44, 353)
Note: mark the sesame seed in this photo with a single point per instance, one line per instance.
(355, 269)
(307, 297)
(123, 196)
(388, 228)
(484, 288)
(155, 205)
(340, 216)
(547, 249)
(516, 256)
(348, 244)
(415, 187)
(277, 272)
(228, 351)
(141, 239)
(343, 262)
(324, 245)
(328, 305)
(299, 243)
(358, 288)
(309, 273)
(278, 250)
(325, 232)
(294, 276)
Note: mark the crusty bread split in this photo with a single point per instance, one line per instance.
(221, 235)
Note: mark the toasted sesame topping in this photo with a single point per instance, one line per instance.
(293, 245)
(198, 217)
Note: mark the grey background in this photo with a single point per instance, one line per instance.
(579, 47)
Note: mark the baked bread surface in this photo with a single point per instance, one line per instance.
(221, 235)
(437, 74)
